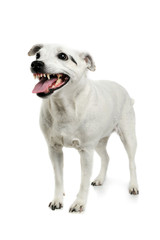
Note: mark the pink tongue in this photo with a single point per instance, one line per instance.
(42, 86)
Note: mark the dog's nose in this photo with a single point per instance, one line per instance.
(37, 66)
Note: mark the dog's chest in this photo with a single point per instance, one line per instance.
(65, 128)
(61, 126)
(65, 134)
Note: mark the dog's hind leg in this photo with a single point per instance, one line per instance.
(101, 150)
(126, 131)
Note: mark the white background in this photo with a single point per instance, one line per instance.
(124, 39)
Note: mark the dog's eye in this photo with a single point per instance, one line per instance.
(62, 56)
(37, 55)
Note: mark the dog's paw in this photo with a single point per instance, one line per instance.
(97, 182)
(55, 205)
(133, 189)
(77, 207)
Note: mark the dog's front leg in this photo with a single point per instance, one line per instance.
(86, 158)
(57, 162)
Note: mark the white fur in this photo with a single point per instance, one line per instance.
(83, 114)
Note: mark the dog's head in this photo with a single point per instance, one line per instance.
(58, 69)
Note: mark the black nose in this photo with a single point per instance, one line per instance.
(37, 66)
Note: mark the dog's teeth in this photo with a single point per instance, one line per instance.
(44, 75)
(41, 75)
(58, 82)
(48, 76)
(59, 76)
(34, 76)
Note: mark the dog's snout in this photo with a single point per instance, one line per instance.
(37, 66)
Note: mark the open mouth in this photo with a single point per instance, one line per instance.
(48, 83)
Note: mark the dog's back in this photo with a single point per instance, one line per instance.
(115, 96)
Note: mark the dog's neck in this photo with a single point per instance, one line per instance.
(72, 104)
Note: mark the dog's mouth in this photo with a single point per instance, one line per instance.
(48, 83)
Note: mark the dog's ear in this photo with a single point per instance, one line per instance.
(34, 49)
(89, 61)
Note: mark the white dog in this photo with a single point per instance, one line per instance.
(82, 114)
